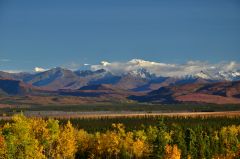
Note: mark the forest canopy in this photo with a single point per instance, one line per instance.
(38, 138)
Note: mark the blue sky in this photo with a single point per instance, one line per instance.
(67, 33)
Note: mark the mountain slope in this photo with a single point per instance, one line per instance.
(56, 78)
(221, 93)
(134, 75)
(15, 87)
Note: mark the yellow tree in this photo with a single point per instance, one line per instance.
(127, 145)
(47, 133)
(66, 143)
(20, 141)
(229, 138)
(107, 145)
(53, 136)
(172, 152)
(119, 128)
(3, 148)
(141, 149)
(39, 130)
(85, 143)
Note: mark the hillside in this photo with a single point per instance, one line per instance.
(15, 87)
(219, 93)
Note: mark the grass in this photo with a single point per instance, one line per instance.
(137, 122)
(124, 107)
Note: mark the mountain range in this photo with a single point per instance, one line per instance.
(60, 78)
(137, 82)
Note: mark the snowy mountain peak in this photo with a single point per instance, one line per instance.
(147, 69)
(142, 73)
(229, 75)
(203, 75)
(105, 63)
(220, 75)
(39, 69)
(236, 74)
(193, 69)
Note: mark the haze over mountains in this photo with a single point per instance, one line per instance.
(139, 80)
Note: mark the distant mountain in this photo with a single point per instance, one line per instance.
(162, 95)
(16, 76)
(56, 78)
(226, 89)
(97, 87)
(220, 93)
(139, 80)
(229, 71)
(15, 87)
(182, 92)
(85, 73)
(134, 75)
(59, 78)
(220, 76)
(142, 73)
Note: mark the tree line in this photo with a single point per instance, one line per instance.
(26, 138)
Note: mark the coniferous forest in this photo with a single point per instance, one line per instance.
(26, 138)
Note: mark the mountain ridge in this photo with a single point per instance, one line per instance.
(60, 78)
(216, 92)
(219, 92)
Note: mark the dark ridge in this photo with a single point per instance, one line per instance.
(82, 94)
(11, 87)
(162, 95)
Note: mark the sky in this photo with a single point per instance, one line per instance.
(72, 33)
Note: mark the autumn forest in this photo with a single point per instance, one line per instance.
(26, 138)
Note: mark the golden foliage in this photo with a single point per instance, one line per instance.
(36, 138)
(172, 152)
(66, 143)
(20, 140)
(85, 142)
(3, 148)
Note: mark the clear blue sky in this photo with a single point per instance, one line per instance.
(49, 33)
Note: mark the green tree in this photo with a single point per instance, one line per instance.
(190, 139)
(161, 140)
(52, 137)
(178, 139)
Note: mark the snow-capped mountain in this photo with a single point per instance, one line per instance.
(133, 74)
(231, 75)
(221, 75)
(194, 69)
(142, 73)
(203, 75)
